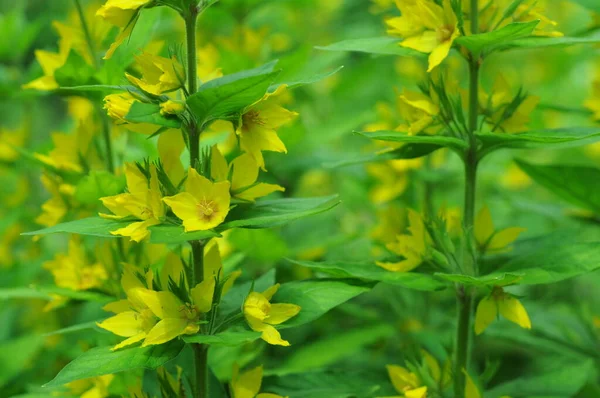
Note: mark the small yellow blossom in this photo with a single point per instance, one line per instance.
(247, 384)
(500, 302)
(55, 208)
(203, 205)
(117, 107)
(259, 123)
(170, 147)
(261, 314)
(488, 238)
(514, 178)
(426, 27)
(123, 14)
(74, 271)
(410, 384)
(413, 247)
(244, 173)
(171, 107)
(159, 74)
(143, 202)
(391, 178)
(417, 110)
(95, 387)
(50, 62)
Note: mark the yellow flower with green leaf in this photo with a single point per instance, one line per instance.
(259, 123)
(94, 387)
(262, 315)
(412, 247)
(159, 74)
(417, 110)
(123, 14)
(427, 27)
(143, 202)
(490, 240)
(118, 106)
(50, 62)
(592, 103)
(505, 304)
(247, 384)
(203, 205)
(60, 202)
(243, 173)
(411, 385)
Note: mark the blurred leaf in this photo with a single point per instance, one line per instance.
(74, 72)
(16, 355)
(97, 87)
(226, 97)
(490, 40)
(227, 338)
(329, 350)
(150, 113)
(563, 382)
(75, 328)
(102, 361)
(569, 136)
(370, 271)
(263, 245)
(555, 263)
(373, 45)
(571, 183)
(406, 151)
(591, 4)
(428, 140)
(481, 281)
(270, 213)
(98, 184)
(306, 80)
(538, 42)
(316, 297)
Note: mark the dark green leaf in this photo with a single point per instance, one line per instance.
(373, 45)
(572, 183)
(370, 271)
(101, 361)
(490, 40)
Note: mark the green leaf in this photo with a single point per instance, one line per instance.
(481, 281)
(97, 88)
(591, 4)
(572, 183)
(317, 296)
(540, 42)
(74, 328)
(46, 293)
(490, 40)
(74, 71)
(306, 80)
(270, 213)
(429, 140)
(17, 355)
(371, 272)
(101, 227)
(98, 184)
(101, 361)
(565, 381)
(226, 97)
(406, 151)
(554, 264)
(538, 138)
(373, 45)
(227, 338)
(141, 112)
(332, 349)
(233, 300)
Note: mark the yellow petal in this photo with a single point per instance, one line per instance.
(165, 330)
(439, 54)
(137, 231)
(270, 292)
(258, 191)
(124, 324)
(218, 165)
(162, 304)
(184, 205)
(432, 365)
(272, 336)
(170, 147)
(484, 226)
(247, 385)
(401, 378)
(129, 341)
(503, 238)
(280, 313)
(117, 306)
(425, 42)
(512, 309)
(420, 392)
(245, 172)
(471, 390)
(202, 294)
(487, 312)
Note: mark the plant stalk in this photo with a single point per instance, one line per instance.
(464, 295)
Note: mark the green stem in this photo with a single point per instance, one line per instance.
(192, 80)
(464, 295)
(201, 365)
(110, 162)
(86, 32)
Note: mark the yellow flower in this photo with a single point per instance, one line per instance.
(244, 173)
(203, 205)
(121, 13)
(413, 247)
(426, 27)
(505, 304)
(133, 318)
(170, 147)
(143, 202)
(159, 74)
(95, 387)
(392, 178)
(488, 238)
(74, 271)
(117, 107)
(50, 62)
(208, 57)
(259, 123)
(261, 315)
(406, 383)
(514, 178)
(247, 384)
(55, 208)
(171, 107)
(9, 139)
(418, 110)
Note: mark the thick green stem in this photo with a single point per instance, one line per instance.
(464, 295)
(201, 365)
(86, 32)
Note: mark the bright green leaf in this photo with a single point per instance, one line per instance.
(227, 338)
(429, 140)
(374, 45)
(490, 40)
(141, 112)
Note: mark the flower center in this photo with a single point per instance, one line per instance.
(188, 311)
(252, 117)
(206, 209)
(445, 33)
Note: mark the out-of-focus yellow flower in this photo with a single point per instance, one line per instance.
(413, 247)
(95, 387)
(247, 384)
(208, 58)
(492, 16)
(417, 110)
(9, 139)
(7, 241)
(503, 303)
(123, 14)
(514, 178)
(243, 173)
(392, 178)
(74, 271)
(55, 208)
(488, 238)
(50, 62)
(410, 384)
(246, 41)
(170, 147)
(261, 314)
(143, 202)
(593, 101)
(390, 220)
(159, 74)
(259, 124)
(203, 205)
(426, 27)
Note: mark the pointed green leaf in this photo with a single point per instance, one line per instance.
(481, 281)
(150, 113)
(373, 45)
(227, 338)
(540, 42)
(491, 40)
(427, 140)
(306, 80)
